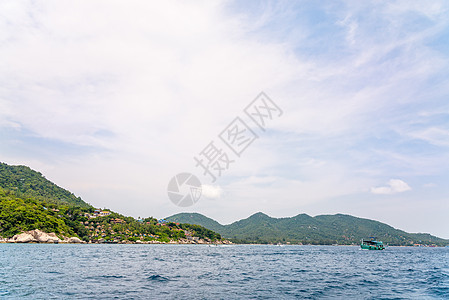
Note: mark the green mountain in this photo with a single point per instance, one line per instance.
(304, 229)
(197, 219)
(26, 182)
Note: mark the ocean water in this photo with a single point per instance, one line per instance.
(38, 271)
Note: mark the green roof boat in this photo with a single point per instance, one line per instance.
(372, 244)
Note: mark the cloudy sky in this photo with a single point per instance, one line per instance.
(112, 99)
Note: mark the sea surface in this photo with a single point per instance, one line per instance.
(39, 271)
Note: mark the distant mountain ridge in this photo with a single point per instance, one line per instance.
(322, 229)
(29, 201)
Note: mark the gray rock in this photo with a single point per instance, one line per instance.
(75, 240)
(34, 236)
(22, 238)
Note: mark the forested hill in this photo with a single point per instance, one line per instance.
(324, 229)
(28, 202)
(26, 182)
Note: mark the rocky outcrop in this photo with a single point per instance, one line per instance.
(37, 236)
(24, 237)
(43, 237)
(74, 240)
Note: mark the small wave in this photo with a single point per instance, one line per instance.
(213, 254)
(106, 277)
(158, 278)
(113, 276)
(291, 280)
(206, 275)
(248, 278)
(300, 271)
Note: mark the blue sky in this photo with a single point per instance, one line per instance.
(111, 100)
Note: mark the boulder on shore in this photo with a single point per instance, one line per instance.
(73, 240)
(43, 237)
(24, 237)
(37, 236)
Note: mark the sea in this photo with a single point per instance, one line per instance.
(114, 271)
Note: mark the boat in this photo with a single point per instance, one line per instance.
(372, 244)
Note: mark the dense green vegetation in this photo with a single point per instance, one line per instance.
(117, 228)
(28, 201)
(18, 215)
(325, 229)
(28, 183)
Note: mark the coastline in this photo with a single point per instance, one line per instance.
(39, 237)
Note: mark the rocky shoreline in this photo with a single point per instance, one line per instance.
(37, 236)
(179, 242)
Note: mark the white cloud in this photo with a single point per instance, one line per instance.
(393, 186)
(211, 191)
(433, 135)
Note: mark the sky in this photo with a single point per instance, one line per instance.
(112, 99)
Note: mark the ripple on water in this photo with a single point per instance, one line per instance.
(158, 278)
